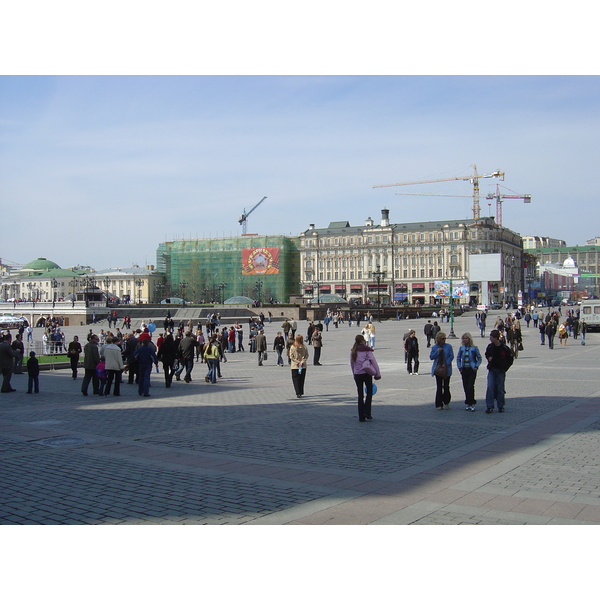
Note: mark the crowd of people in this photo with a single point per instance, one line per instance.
(111, 358)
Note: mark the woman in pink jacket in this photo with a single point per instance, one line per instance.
(364, 368)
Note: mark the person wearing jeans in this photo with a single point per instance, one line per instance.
(438, 351)
(364, 369)
(499, 358)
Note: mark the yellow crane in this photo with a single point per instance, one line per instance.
(474, 179)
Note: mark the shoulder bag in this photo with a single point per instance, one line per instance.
(368, 367)
(441, 369)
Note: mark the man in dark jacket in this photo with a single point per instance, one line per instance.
(33, 370)
(145, 357)
(186, 348)
(7, 363)
(261, 346)
(500, 359)
(411, 348)
(128, 355)
(91, 358)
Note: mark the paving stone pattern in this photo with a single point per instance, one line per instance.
(247, 451)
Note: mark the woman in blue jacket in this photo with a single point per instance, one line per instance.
(442, 353)
(468, 361)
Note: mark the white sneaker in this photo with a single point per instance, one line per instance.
(415, 373)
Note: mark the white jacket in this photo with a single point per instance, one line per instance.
(112, 357)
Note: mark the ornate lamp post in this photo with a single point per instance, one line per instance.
(158, 289)
(378, 276)
(106, 281)
(258, 287)
(451, 335)
(54, 285)
(182, 287)
(221, 287)
(74, 284)
(139, 284)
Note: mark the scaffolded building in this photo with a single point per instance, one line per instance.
(264, 268)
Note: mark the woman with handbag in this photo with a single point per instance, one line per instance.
(442, 356)
(298, 361)
(364, 368)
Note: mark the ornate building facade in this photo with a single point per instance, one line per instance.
(396, 263)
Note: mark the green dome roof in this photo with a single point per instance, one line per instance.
(41, 264)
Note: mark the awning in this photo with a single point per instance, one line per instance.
(373, 287)
(325, 288)
(340, 288)
(356, 288)
(418, 287)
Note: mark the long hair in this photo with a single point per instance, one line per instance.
(299, 341)
(359, 340)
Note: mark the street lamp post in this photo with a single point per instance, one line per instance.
(221, 287)
(107, 286)
(158, 288)
(54, 285)
(378, 276)
(451, 335)
(139, 284)
(258, 287)
(182, 287)
(74, 285)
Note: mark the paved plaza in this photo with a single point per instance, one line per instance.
(247, 451)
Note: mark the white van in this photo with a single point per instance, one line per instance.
(590, 311)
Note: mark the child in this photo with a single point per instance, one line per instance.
(33, 370)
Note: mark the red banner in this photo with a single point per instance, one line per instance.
(260, 261)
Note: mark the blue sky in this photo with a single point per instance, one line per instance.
(104, 168)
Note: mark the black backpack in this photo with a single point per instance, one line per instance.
(507, 357)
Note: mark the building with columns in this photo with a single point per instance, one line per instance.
(401, 262)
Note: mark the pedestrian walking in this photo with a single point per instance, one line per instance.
(91, 358)
(33, 372)
(317, 342)
(442, 356)
(411, 349)
(145, 357)
(298, 363)
(468, 361)
(364, 370)
(279, 347)
(113, 358)
(261, 347)
(212, 354)
(73, 352)
(499, 360)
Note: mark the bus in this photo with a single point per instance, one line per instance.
(590, 312)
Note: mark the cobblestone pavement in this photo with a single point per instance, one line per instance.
(247, 451)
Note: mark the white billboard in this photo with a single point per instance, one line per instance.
(485, 267)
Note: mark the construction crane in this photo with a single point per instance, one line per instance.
(500, 199)
(244, 218)
(474, 179)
